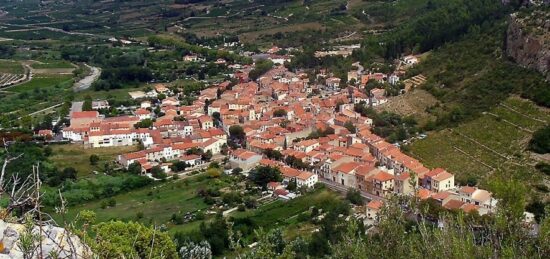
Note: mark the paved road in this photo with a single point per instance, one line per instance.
(344, 189)
(87, 81)
(76, 107)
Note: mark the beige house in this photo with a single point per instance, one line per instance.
(373, 208)
(403, 186)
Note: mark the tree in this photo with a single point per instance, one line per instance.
(265, 174)
(349, 126)
(236, 131)
(354, 196)
(144, 124)
(291, 186)
(217, 118)
(273, 154)
(280, 113)
(87, 105)
(260, 68)
(26, 122)
(214, 172)
(116, 239)
(206, 156)
(94, 159)
(158, 173)
(68, 173)
(135, 168)
(179, 166)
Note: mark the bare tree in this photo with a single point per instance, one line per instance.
(40, 237)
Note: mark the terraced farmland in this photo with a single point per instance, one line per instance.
(11, 72)
(493, 145)
(11, 79)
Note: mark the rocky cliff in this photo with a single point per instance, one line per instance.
(528, 39)
(49, 241)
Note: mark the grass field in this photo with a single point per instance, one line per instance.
(11, 67)
(74, 155)
(43, 82)
(157, 202)
(413, 103)
(493, 145)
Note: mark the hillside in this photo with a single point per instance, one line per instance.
(528, 39)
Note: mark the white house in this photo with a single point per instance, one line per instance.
(306, 179)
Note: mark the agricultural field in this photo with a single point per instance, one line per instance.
(74, 155)
(491, 146)
(11, 67)
(156, 202)
(52, 64)
(41, 92)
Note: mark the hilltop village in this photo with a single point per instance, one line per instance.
(310, 127)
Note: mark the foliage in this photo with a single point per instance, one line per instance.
(158, 173)
(471, 76)
(279, 113)
(87, 105)
(179, 166)
(264, 174)
(458, 236)
(214, 172)
(273, 154)
(193, 250)
(354, 196)
(443, 21)
(540, 143)
(260, 68)
(389, 125)
(145, 124)
(296, 162)
(186, 48)
(134, 168)
(543, 167)
(130, 239)
(99, 187)
(320, 133)
(215, 233)
(94, 159)
(349, 126)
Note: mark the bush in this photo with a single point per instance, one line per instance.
(542, 188)
(177, 219)
(94, 159)
(543, 168)
(241, 207)
(236, 170)
(214, 172)
(540, 143)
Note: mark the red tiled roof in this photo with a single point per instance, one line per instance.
(86, 114)
(375, 204)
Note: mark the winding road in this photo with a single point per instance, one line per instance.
(87, 81)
